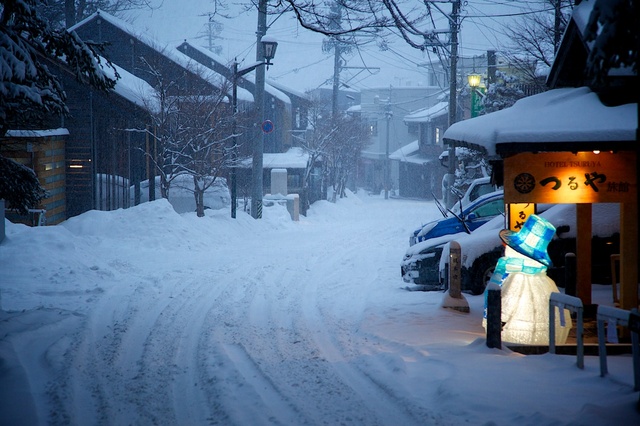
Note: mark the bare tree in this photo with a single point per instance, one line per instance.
(317, 144)
(535, 39)
(193, 132)
(414, 22)
(351, 136)
(342, 138)
(204, 138)
(66, 13)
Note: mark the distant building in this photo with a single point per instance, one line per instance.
(420, 170)
(384, 109)
(285, 107)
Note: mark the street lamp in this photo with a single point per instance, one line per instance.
(269, 46)
(474, 80)
(474, 83)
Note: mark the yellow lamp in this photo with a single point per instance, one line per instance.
(474, 80)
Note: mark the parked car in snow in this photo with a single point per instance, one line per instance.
(472, 217)
(421, 262)
(478, 188)
(481, 250)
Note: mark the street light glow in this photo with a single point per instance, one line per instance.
(474, 80)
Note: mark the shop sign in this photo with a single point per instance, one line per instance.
(570, 178)
(518, 214)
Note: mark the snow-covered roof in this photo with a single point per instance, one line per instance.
(284, 88)
(405, 151)
(581, 14)
(425, 115)
(132, 88)
(170, 53)
(294, 158)
(38, 133)
(269, 86)
(410, 153)
(569, 115)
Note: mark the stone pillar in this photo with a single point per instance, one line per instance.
(279, 182)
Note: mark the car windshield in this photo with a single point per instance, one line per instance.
(492, 208)
(480, 190)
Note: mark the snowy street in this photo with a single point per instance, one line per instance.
(145, 316)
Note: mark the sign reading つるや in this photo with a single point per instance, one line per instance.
(565, 177)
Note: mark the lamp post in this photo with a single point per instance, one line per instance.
(474, 83)
(269, 46)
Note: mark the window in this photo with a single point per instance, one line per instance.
(493, 208)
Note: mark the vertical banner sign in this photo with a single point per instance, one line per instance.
(477, 95)
(518, 214)
(570, 178)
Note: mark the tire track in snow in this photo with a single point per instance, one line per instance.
(149, 352)
(333, 337)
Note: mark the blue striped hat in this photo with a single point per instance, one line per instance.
(532, 239)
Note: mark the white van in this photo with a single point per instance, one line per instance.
(478, 188)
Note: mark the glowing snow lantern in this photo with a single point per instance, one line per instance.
(526, 287)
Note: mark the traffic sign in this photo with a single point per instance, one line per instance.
(267, 126)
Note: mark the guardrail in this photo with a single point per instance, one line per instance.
(616, 316)
(573, 304)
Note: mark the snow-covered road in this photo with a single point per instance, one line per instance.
(143, 316)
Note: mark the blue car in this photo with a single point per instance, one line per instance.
(472, 217)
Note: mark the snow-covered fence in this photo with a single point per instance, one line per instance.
(573, 304)
(614, 317)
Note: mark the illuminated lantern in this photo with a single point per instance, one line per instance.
(526, 287)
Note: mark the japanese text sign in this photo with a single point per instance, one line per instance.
(565, 177)
(518, 214)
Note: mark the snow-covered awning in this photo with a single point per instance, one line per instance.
(427, 114)
(410, 153)
(558, 120)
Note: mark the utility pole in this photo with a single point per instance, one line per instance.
(258, 146)
(336, 77)
(491, 67)
(387, 173)
(556, 27)
(336, 24)
(453, 106)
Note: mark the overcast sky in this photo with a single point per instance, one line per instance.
(300, 62)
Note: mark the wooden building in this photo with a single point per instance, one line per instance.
(576, 143)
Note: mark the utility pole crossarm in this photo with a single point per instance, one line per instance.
(248, 69)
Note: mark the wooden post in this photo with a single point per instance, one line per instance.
(570, 274)
(494, 317)
(583, 252)
(628, 255)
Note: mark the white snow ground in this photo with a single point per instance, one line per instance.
(146, 316)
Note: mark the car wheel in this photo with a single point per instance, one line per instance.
(482, 271)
